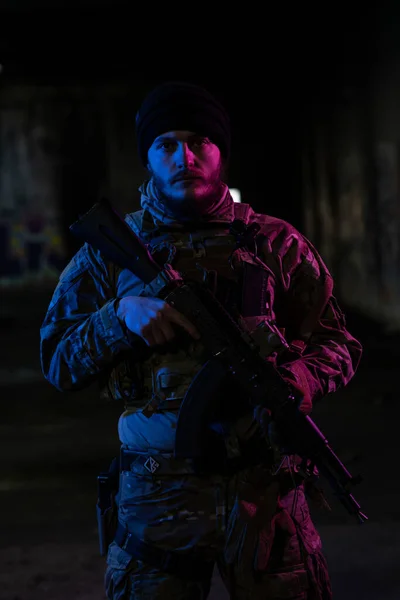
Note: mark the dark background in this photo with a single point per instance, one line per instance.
(284, 73)
(275, 72)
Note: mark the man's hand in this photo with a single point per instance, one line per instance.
(153, 319)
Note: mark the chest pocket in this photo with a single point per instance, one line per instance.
(171, 380)
(257, 287)
(240, 281)
(202, 257)
(243, 284)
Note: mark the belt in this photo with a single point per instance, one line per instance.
(166, 464)
(185, 566)
(162, 464)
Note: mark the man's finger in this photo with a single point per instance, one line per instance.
(178, 318)
(158, 335)
(167, 330)
(149, 339)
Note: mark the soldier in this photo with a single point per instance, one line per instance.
(174, 520)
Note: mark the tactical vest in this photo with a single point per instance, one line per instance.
(233, 274)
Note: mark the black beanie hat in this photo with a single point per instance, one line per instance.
(175, 106)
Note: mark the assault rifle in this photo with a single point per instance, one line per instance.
(229, 350)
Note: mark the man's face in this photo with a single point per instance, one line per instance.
(186, 169)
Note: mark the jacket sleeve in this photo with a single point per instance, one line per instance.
(81, 334)
(324, 354)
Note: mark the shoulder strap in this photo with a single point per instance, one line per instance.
(241, 211)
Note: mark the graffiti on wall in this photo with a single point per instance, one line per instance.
(60, 149)
(31, 246)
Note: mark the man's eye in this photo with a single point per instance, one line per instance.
(200, 141)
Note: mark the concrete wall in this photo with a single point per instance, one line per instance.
(61, 149)
(351, 192)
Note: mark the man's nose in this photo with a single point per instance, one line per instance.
(184, 156)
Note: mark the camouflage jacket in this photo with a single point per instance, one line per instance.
(82, 339)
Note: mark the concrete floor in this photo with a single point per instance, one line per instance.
(53, 445)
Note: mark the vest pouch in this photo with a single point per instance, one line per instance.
(171, 385)
(171, 380)
(123, 381)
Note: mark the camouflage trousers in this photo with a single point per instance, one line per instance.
(261, 537)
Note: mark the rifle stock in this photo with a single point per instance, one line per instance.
(105, 229)
(225, 342)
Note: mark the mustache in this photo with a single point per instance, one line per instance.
(186, 175)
